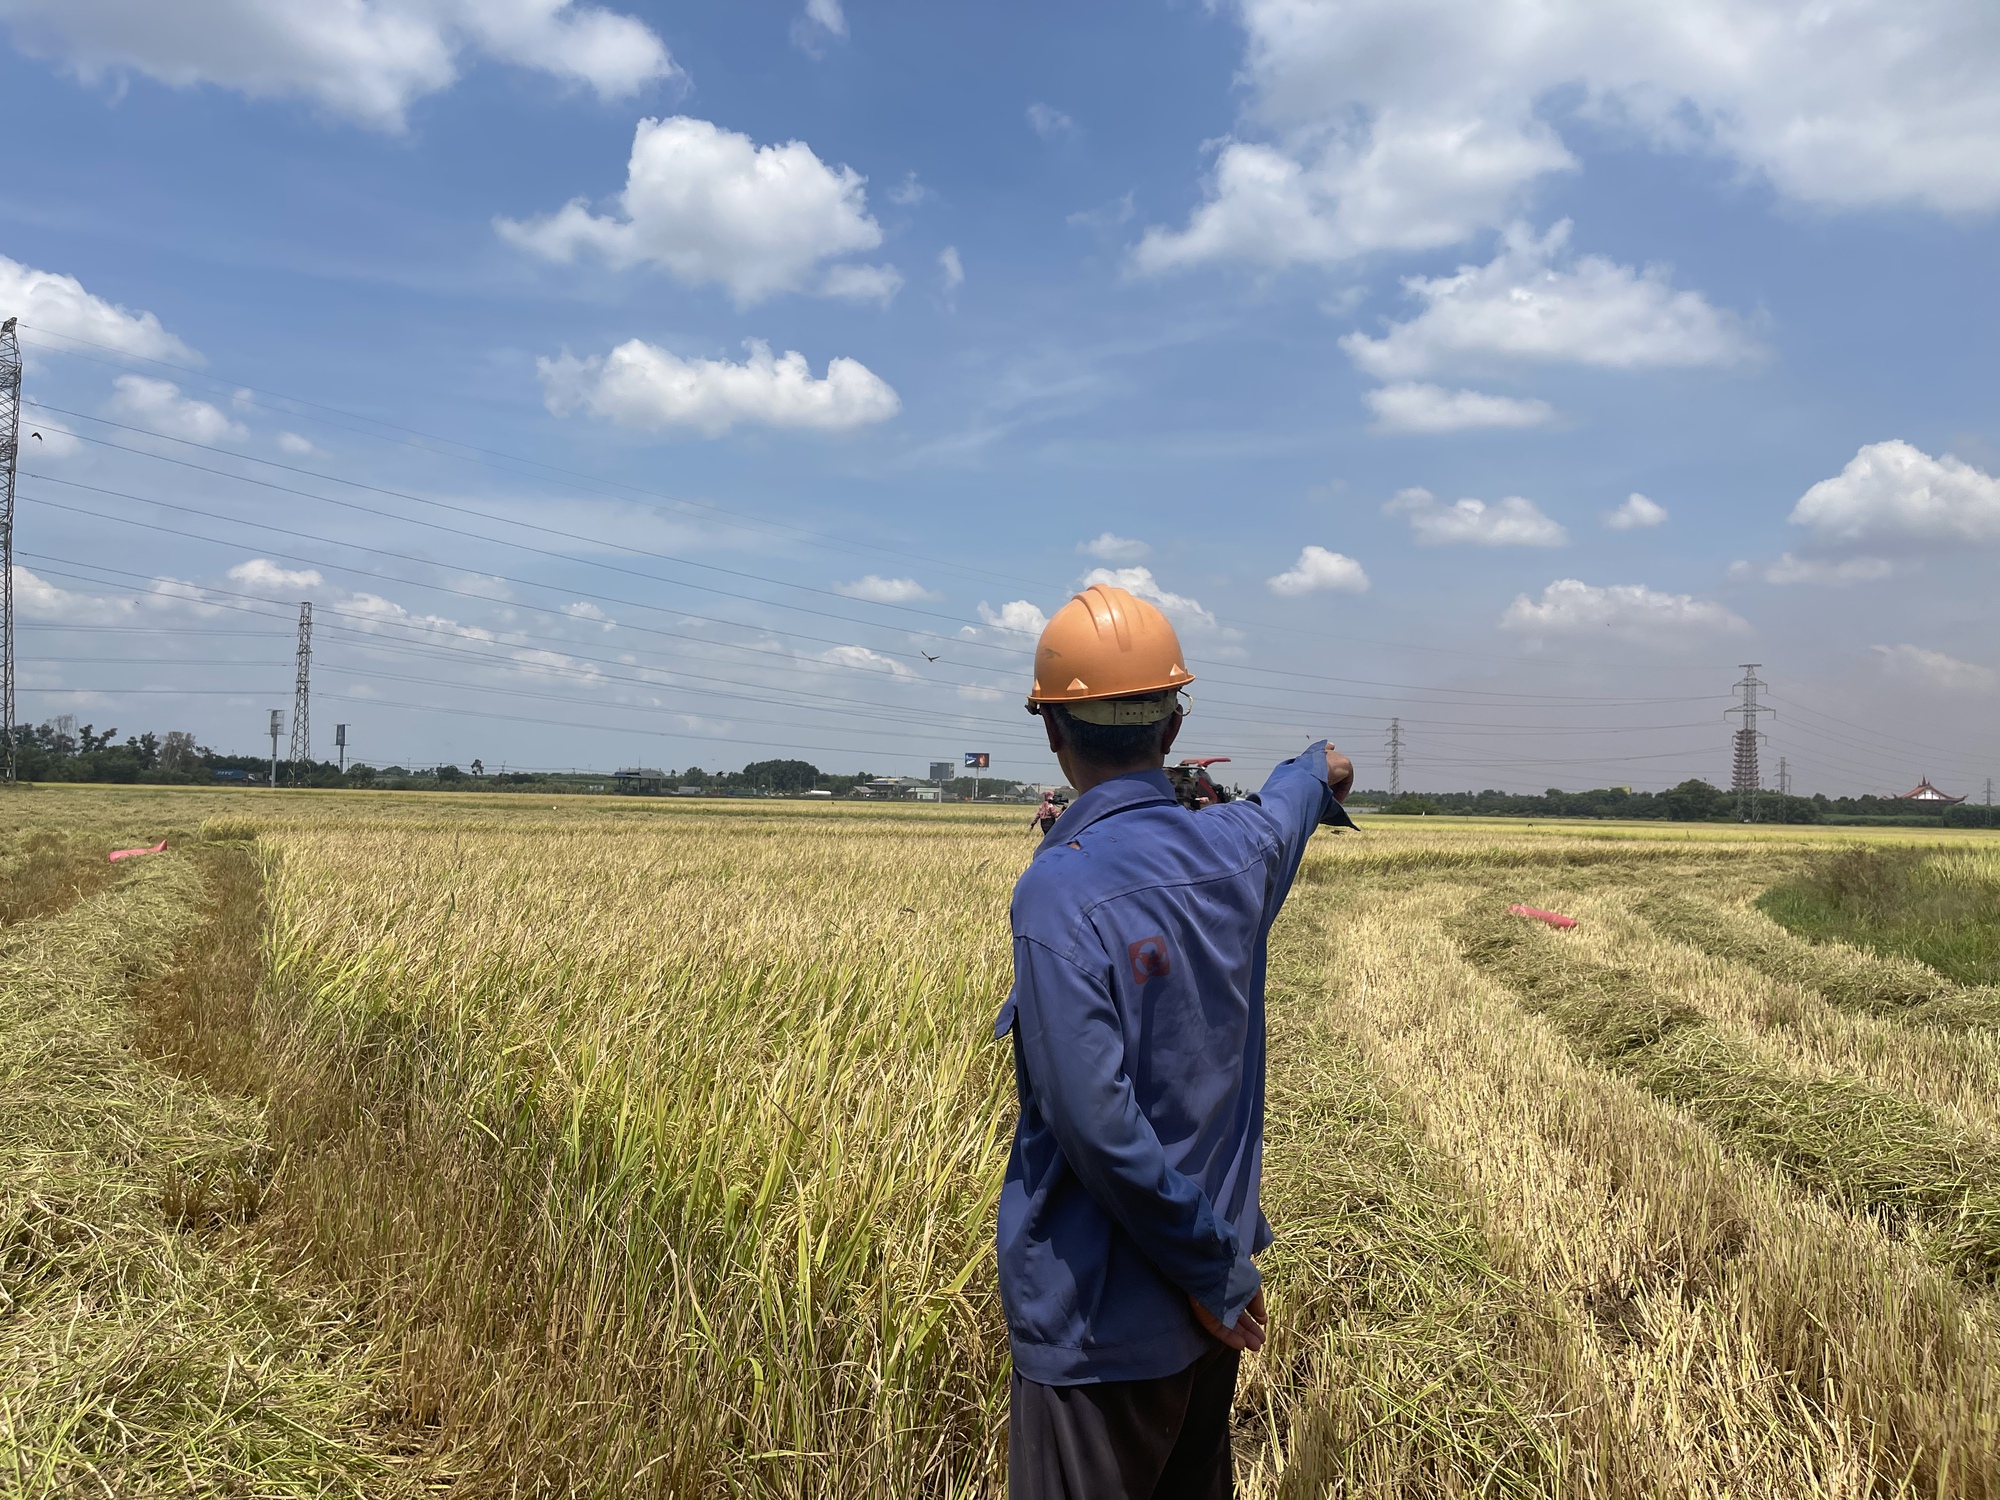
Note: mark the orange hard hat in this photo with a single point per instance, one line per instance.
(1106, 643)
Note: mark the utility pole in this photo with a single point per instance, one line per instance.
(1744, 778)
(1989, 791)
(277, 728)
(1395, 757)
(10, 453)
(302, 698)
(340, 744)
(1784, 777)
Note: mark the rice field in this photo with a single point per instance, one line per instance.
(397, 1145)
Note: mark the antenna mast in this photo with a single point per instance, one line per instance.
(1395, 757)
(301, 755)
(10, 452)
(1745, 779)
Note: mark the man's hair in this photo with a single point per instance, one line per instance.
(1108, 744)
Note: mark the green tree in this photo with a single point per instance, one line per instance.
(1696, 802)
(780, 775)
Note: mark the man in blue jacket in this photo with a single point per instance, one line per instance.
(1129, 1214)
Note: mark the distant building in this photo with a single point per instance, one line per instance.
(1923, 791)
(892, 788)
(644, 781)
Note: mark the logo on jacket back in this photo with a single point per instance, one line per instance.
(1149, 959)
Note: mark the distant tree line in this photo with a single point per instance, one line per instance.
(60, 749)
(1690, 802)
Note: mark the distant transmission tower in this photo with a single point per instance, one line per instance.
(301, 754)
(1745, 780)
(1784, 777)
(10, 452)
(1989, 791)
(1395, 757)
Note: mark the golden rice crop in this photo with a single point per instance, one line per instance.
(657, 1146)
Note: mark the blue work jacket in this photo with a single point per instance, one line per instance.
(1140, 936)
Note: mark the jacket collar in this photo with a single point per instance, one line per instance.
(1119, 794)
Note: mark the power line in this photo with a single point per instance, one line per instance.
(424, 442)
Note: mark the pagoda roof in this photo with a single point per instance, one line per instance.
(1923, 791)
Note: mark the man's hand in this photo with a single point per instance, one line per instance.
(1249, 1330)
(1339, 773)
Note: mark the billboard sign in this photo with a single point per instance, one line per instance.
(940, 770)
(978, 760)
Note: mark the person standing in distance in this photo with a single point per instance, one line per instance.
(1129, 1213)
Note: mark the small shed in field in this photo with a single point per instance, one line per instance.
(644, 781)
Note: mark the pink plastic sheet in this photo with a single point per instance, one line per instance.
(1536, 914)
(118, 854)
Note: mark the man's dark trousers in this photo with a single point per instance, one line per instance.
(1163, 1439)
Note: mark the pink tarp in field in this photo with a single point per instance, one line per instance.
(118, 854)
(1536, 914)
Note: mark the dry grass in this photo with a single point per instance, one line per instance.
(656, 1148)
(143, 1350)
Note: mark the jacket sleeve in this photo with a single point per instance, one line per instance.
(1298, 800)
(1075, 1051)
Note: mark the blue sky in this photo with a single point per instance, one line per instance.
(665, 385)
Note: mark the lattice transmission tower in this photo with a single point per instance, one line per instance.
(301, 752)
(1744, 778)
(10, 453)
(1395, 757)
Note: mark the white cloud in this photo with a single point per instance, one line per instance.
(862, 283)
(298, 447)
(262, 573)
(1140, 581)
(583, 609)
(1048, 122)
(1935, 670)
(1630, 611)
(1514, 522)
(952, 267)
(878, 590)
(38, 599)
(641, 386)
(160, 406)
(368, 60)
(710, 205)
(1017, 616)
(874, 661)
(1413, 184)
(1831, 571)
(58, 305)
(1412, 124)
(1414, 407)
(1523, 306)
(1636, 513)
(1317, 569)
(1109, 547)
(827, 15)
(1896, 493)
